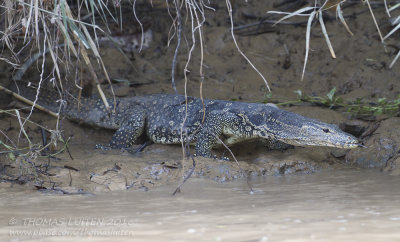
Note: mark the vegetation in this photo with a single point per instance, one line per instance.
(360, 107)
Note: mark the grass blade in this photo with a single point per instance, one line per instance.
(394, 7)
(308, 33)
(289, 15)
(328, 42)
(340, 15)
(395, 59)
(392, 31)
(373, 17)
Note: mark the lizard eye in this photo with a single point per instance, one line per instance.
(326, 130)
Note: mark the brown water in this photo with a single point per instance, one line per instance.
(345, 205)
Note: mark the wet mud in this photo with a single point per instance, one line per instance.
(87, 169)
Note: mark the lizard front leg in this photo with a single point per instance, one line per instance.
(207, 137)
(130, 130)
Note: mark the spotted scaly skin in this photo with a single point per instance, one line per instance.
(161, 117)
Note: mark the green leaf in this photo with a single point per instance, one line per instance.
(382, 101)
(11, 156)
(64, 18)
(120, 80)
(358, 100)
(299, 93)
(339, 100)
(6, 146)
(379, 111)
(331, 94)
(325, 102)
(78, 33)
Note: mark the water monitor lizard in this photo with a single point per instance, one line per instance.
(160, 118)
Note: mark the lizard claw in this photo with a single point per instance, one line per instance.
(224, 158)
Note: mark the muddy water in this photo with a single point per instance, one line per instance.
(345, 205)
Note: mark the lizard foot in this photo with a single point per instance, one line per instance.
(139, 149)
(223, 158)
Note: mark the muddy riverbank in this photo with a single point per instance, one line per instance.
(300, 194)
(360, 71)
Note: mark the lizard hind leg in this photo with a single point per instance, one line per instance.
(129, 132)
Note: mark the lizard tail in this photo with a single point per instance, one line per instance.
(42, 99)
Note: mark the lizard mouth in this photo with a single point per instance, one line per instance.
(349, 144)
(353, 145)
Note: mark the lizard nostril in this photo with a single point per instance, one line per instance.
(326, 130)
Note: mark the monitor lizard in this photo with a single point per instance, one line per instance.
(172, 119)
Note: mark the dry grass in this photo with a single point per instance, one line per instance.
(50, 33)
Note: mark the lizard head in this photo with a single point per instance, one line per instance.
(316, 133)
(294, 129)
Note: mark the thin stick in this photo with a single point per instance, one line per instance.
(178, 189)
(237, 162)
(40, 82)
(141, 26)
(178, 44)
(373, 17)
(229, 7)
